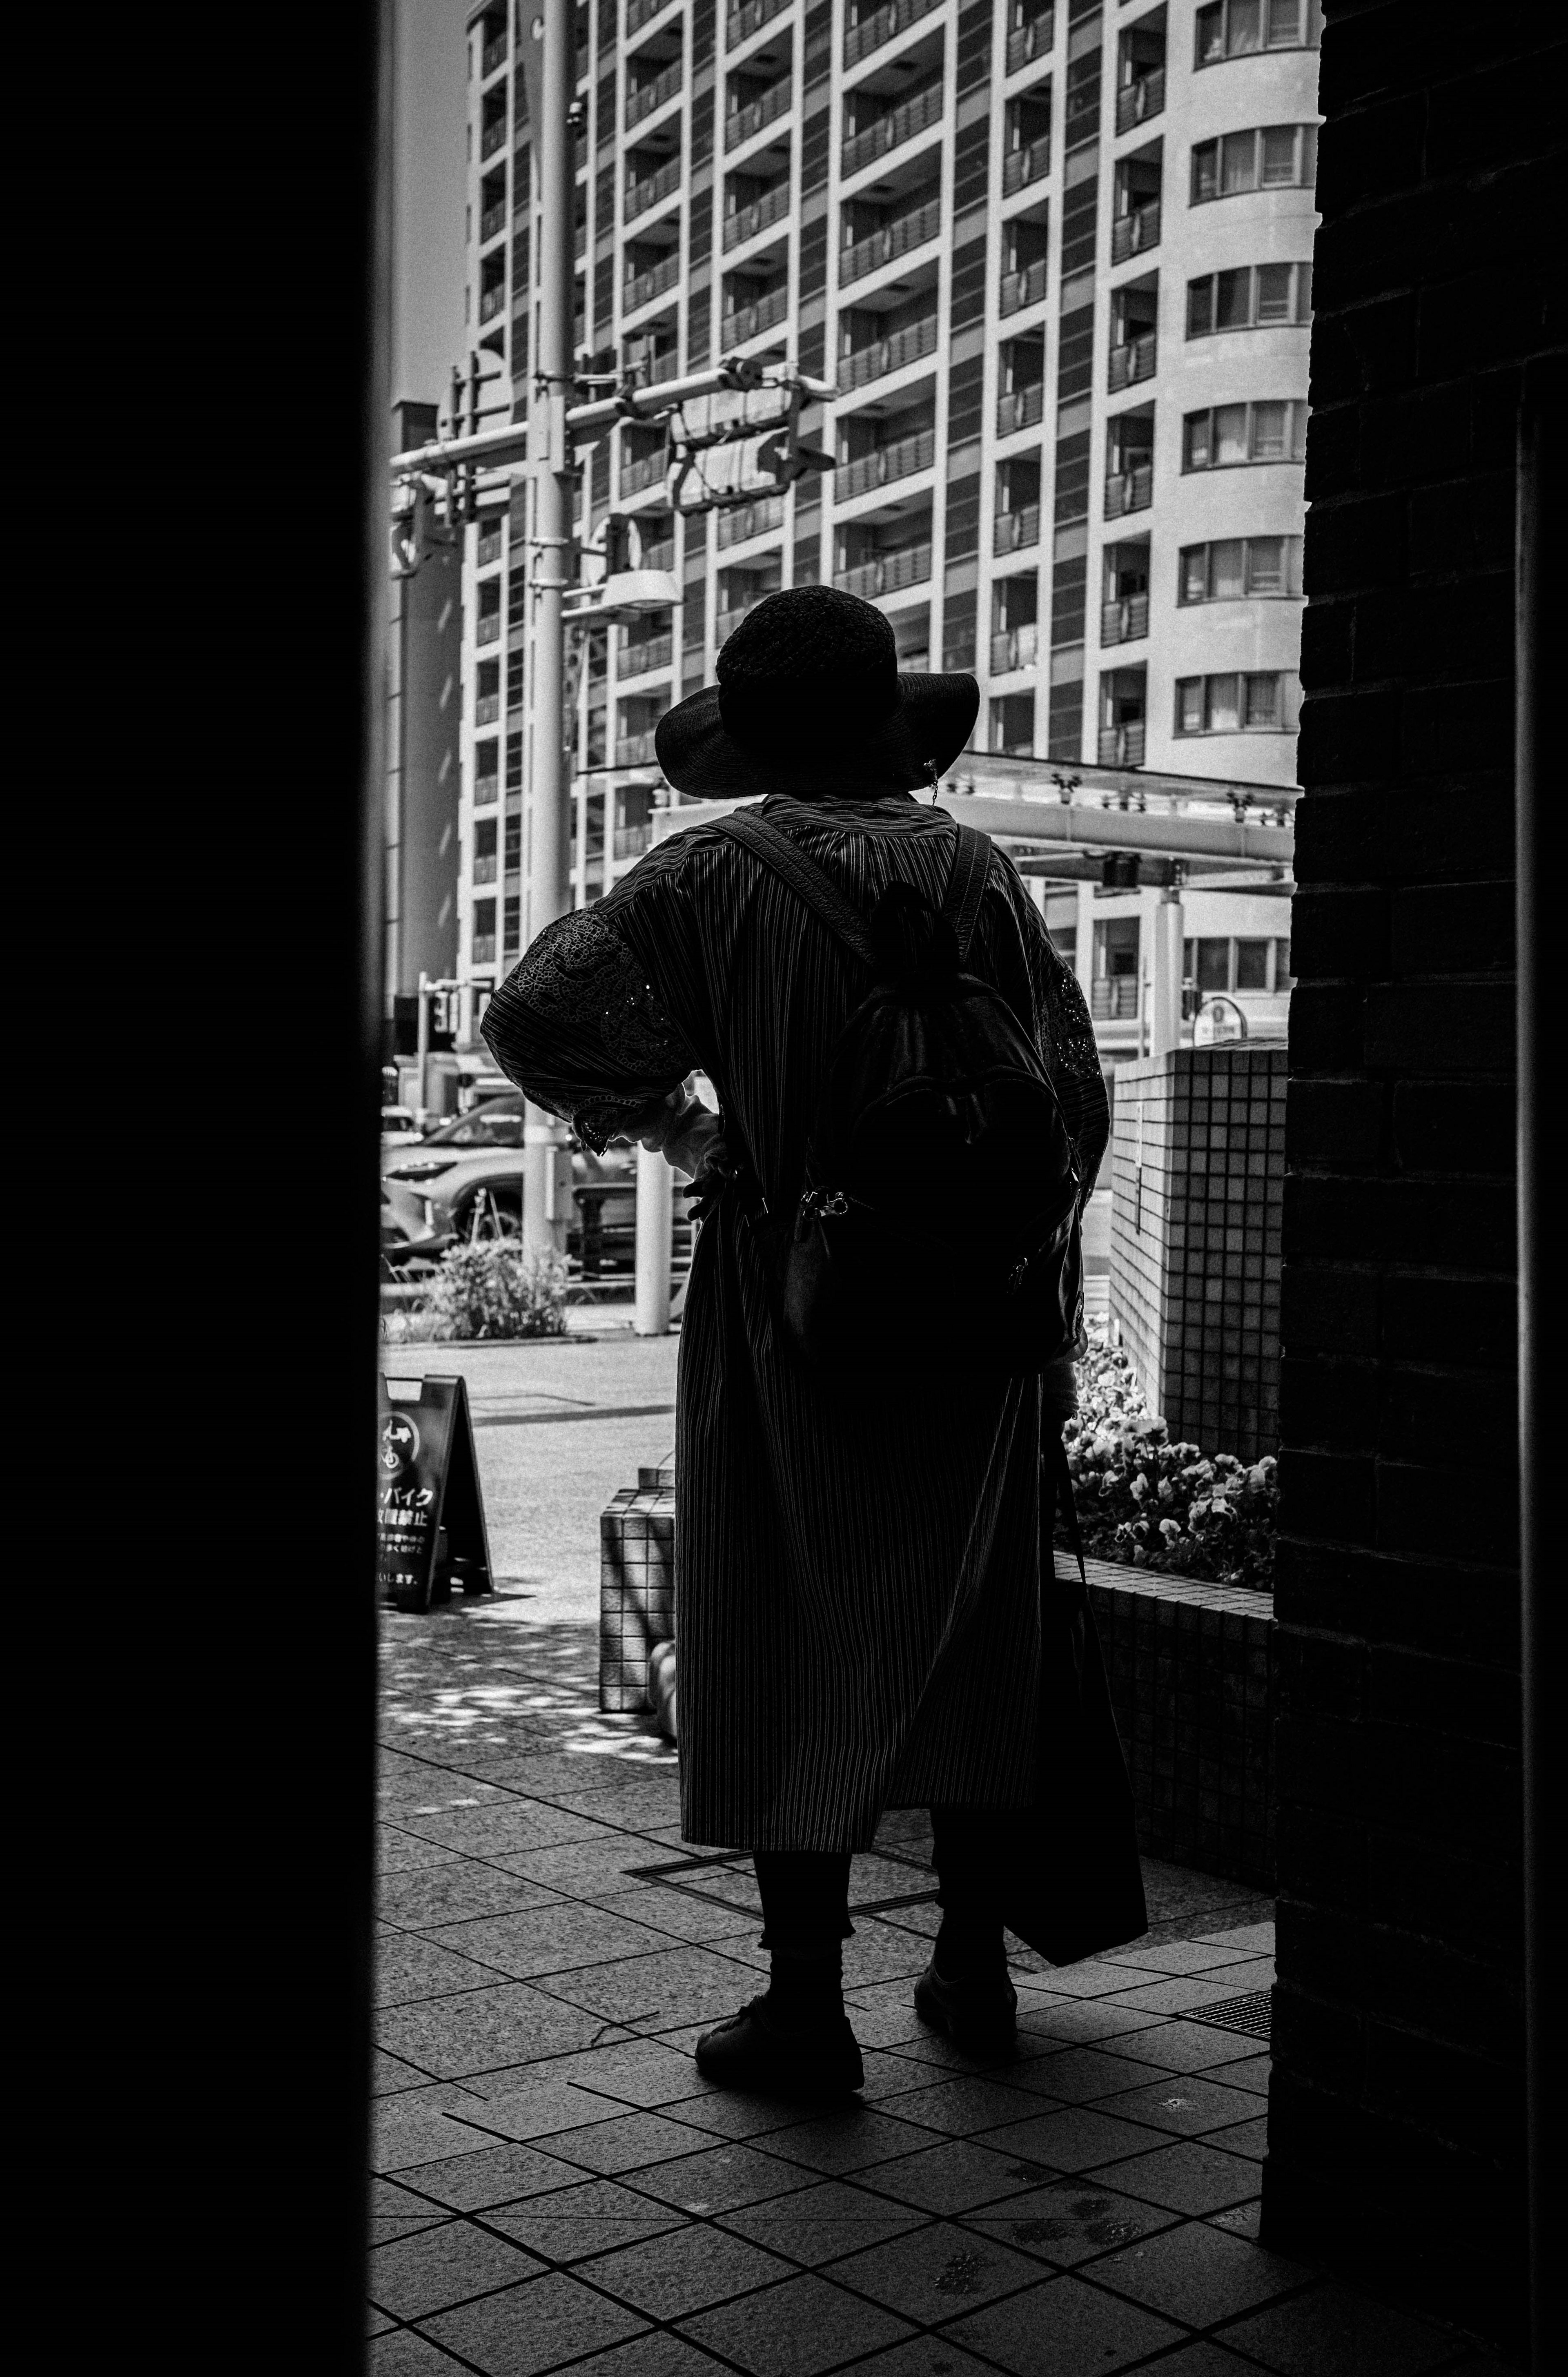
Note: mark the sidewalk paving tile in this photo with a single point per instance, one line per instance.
(671, 1984)
(504, 1827)
(395, 2213)
(391, 2076)
(484, 2030)
(1186, 1990)
(1248, 2138)
(721, 2179)
(438, 2267)
(936, 2272)
(688, 2270)
(1256, 1936)
(1207, 1957)
(1080, 2075)
(430, 1896)
(400, 1852)
(1063, 2328)
(407, 2130)
(958, 2175)
(652, 2355)
(1251, 2072)
(631, 2071)
(819, 2223)
(922, 2356)
(493, 2174)
(1188, 2106)
(1078, 2022)
(595, 2217)
(1190, 2046)
(1067, 2223)
(1199, 2275)
(538, 2099)
(839, 2143)
(1070, 2139)
(411, 1968)
(1335, 2328)
(964, 2103)
(624, 2142)
(549, 1940)
(1191, 2177)
(405, 2354)
(595, 1868)
(680, 1914)
(535, 2326)
(726, 2113)
(799, 2329)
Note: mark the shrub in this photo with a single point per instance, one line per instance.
(493, 1289)
(1152, 1504)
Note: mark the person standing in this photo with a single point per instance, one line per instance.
(862, 1614)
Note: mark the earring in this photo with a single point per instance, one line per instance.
(933, 773)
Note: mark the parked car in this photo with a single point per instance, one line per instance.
(399, 1127)
(497, 1123)
(412, 1231)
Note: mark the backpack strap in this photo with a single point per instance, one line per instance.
(966, 885)
(810, 883)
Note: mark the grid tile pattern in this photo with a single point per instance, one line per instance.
(580, 2197)
(1197, 1192)
(637, 1586)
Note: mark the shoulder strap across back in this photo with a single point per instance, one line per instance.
(966, 885)
(818, 891)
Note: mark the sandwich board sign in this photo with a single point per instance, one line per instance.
(430, 1513)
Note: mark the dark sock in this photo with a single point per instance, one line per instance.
(804, 1992)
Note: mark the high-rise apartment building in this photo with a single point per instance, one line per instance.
(1057, 259)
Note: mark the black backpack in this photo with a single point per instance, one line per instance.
(940, 1217)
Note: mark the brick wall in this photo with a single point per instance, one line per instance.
(1396, 2114)
(1197, 1178)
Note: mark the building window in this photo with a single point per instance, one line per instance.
(1211, 966)
(486, 771)
(1277, 157)
(485, 851)
(1257, 701)
(1235, 567)
(483, 948)
(511, 922)
(1239, 28)
(1250, 297)
(1231, 435)
(1012, 724)
(1114, 984)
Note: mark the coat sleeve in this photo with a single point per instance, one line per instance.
(1066, 1039)
(580, 1029)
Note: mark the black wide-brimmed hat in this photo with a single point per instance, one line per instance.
(809, 691)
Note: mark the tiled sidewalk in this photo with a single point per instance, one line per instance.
(557, 2187)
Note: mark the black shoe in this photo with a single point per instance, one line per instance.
(978, 2014)
(754, 2050)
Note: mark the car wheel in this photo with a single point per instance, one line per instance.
(490, 1213)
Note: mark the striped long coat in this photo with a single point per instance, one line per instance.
(856, 1589)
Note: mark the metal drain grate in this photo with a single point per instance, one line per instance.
(1250, 2015)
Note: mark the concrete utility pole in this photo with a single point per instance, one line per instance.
(655, 1219)
(1165, 1018)
(550, 573)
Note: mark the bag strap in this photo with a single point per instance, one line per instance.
(966, 885)
(810, 883)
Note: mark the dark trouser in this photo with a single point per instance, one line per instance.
(805, 1909)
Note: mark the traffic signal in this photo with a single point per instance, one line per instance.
(737, 444)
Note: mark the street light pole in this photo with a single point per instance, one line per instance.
(549, 558)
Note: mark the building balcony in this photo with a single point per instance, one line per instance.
(632, 841)
(746, 222)
(741, 23)
(493, 136)
(870, 34)
(493, 302)
(492, 221)
(487, 791)
(1135, 233)
(484, 870)
(1022, 166)
(641, 103)
(742, 521)
(893, 240)
(1021, 408)
(911, 566)
(1020, 289)
(1134, 362)
(653, 653)
(1140, 100)
(488, 549)
(640, 196)
(1122, 747)
(751, 321)
(638, 471)
(1125, 620)
(890, 131)
(1014, 648)
(488, 631)
(899, 461)
(494, 54)
(1113, 998)
(1035, 40)
(487, 710)
(642, 12)
(483, 949)
(635, 750)
(741, 123)
(660, 367)
(885, 355)
(1130, 491)
(1016, 531)
(645, 286)
(726, 622)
